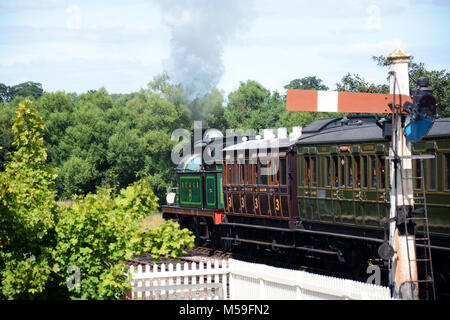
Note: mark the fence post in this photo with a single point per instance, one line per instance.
(156, 294)
(178, 292)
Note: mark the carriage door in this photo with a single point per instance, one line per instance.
(311, 166)
(335, 195)
(382, 184)
(369, 194)
(358, 191)
(211, 191)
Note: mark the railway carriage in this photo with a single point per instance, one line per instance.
(324, 198)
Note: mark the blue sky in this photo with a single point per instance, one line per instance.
(77, 45)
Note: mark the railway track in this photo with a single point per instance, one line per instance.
(197, 254)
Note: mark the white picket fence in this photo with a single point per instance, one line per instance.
(239, 280)
(258, 281)
(188, 281)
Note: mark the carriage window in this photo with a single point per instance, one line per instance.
(313, 172)
(241, 174)
(328, 171)
(248, 173)
(373, 172)
(282, 170)
(231, 174)
(251, 173)
(350, 171)
(382, 171)
(447, 170)
(270, 171)
(431, 174)
(276, 171)
(308, 171)
(264, 173)
(254, 175)
(335, 172)
(342, 171)
(357, 172)
(263, 179)
(365, 171)
(417, 173)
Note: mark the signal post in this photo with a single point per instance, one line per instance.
(411, 120)
(403, 272)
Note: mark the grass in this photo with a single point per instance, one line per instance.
(153, 221)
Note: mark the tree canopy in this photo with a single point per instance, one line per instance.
(26, 89)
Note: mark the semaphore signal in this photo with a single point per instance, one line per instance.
(412, 118)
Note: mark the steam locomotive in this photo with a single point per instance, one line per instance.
(322, 194)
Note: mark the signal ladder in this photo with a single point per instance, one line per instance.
(420, 218)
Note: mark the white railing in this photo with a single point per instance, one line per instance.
(238, 280)
(188, 281)
(258, 281)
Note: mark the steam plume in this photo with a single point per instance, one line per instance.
(199, 31)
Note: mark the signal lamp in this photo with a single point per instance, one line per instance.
(422, 111)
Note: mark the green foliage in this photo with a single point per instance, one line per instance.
(27, 210)
(26, 89)
(307, 83)
(39, 241)
(4, 92)
(253, 107)
(7, 112)
(76, 176)
(100, 231)
(168, 240)
(354, 83)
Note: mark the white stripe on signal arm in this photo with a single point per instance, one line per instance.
(327, 101)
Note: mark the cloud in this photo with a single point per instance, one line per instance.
(374, 18)
(18, 5)
(73, 21)
(379, 47)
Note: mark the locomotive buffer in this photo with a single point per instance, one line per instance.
(411, 120)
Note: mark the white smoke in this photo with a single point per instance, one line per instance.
(199, 31)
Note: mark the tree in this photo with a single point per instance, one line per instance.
(248, 98)
(76, 176)
(4, 93)
(27, 210)
(174, 93)
(307, 83)
(7, 112)
(26, 89)
(354, 83)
